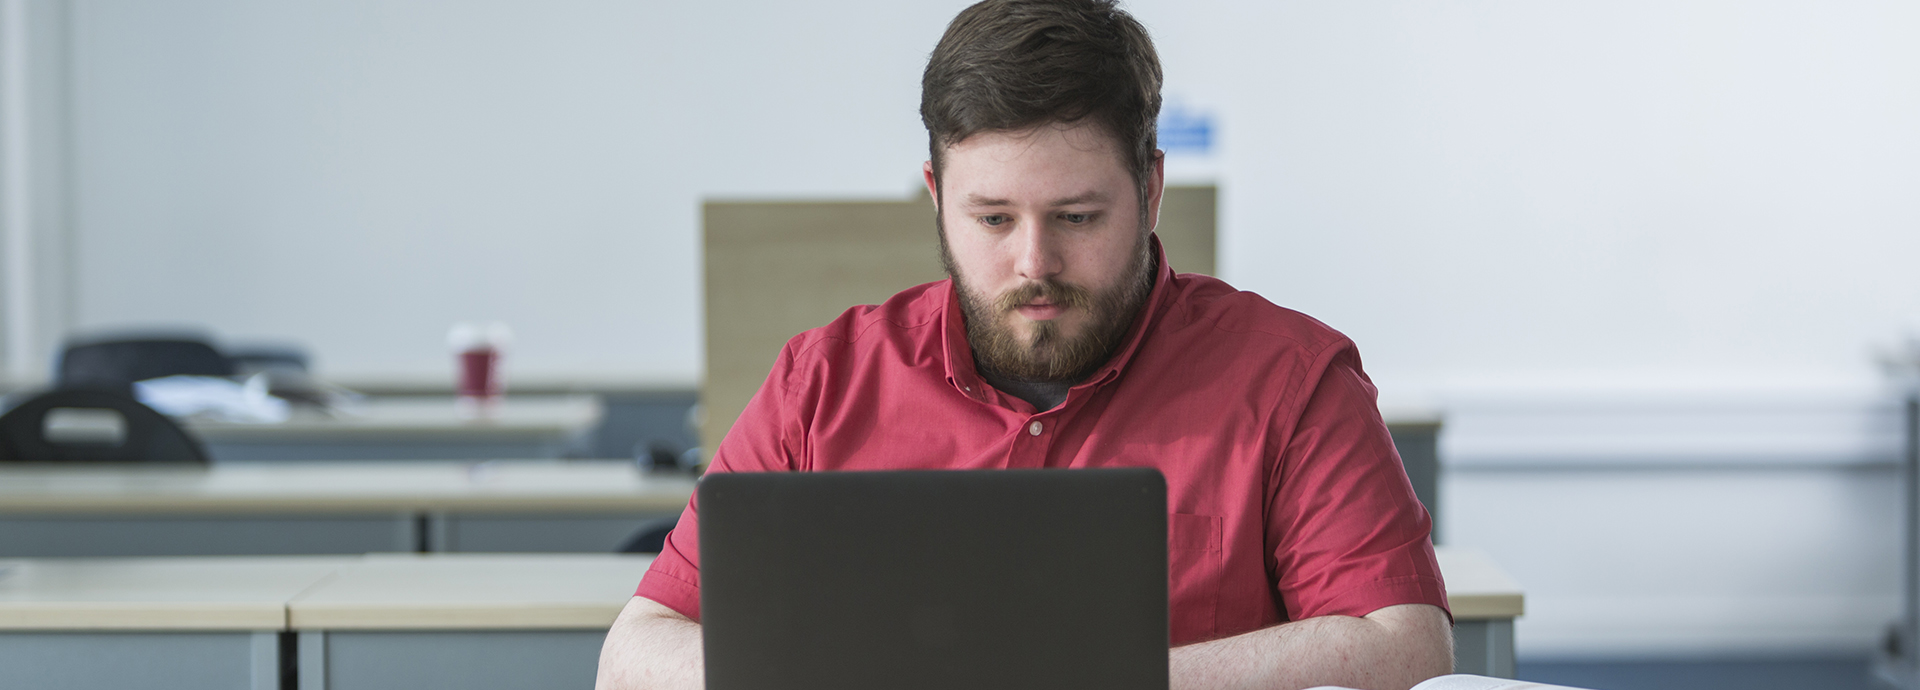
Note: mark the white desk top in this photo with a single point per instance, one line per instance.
(418, 418)
(157, 593)
(423, 592)
(472, 591)
(307, 487)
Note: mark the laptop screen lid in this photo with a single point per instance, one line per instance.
(934, 579)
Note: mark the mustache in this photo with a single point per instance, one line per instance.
(1058, 293)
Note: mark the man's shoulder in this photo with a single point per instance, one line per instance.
(1208, 305)
(910, 318)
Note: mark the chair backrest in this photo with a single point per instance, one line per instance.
(268, 358)
(146, 436)
(651, 537)
(116, 364)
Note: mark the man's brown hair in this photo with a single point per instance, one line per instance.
(1013, 64)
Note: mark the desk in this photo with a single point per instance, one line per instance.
(410, 620)
(1484, 601)
(151, 623)
(462, 620)
(419, 428)
(49, 511)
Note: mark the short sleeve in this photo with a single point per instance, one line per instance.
(763, 439)
(1349, 535)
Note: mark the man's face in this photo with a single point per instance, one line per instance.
(1041, 231)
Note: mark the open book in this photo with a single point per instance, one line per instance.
(1466, 682)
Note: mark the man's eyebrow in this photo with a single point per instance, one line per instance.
(1081, 198)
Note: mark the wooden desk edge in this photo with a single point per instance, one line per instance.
(1477, 588)
(452, 616)
(138, 616)
(1486, 606)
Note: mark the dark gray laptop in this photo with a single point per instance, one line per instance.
(978, 579)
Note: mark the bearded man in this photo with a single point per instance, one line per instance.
(1298, 553)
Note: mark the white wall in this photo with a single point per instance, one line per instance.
(1598, 193)
(1486, 192)
(35, 242)
(1640, 252)
(1683, 522)
(360, 175)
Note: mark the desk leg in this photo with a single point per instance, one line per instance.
(271, 660)
(1896, 661)
(1480, 647)
(410, 532)
(313, 660)
(439, 532)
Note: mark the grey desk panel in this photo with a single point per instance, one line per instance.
(146, 660)
(1484, 647)
(408, 660)
(69, 536)
(505, 533)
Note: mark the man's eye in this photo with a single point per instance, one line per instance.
(992, 221)
(1077, 218)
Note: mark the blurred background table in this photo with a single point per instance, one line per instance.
(412, 427)
(412, 620)
(166, 624)
(330, 507)
(461, 620)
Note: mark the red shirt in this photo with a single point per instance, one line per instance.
(1287, 498)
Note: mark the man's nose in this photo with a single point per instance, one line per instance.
(1037, 252)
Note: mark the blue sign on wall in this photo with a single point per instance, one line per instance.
(1186, 131)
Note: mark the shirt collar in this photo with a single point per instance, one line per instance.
(959, 354)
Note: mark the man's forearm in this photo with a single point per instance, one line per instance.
(1390, 649)
(651, 647)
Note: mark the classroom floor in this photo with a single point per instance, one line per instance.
(1843, 673)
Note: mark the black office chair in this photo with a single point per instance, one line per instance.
(147, 436)
(116, 363)
(274, 358)
(651, 537)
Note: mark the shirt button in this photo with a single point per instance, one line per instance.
(1034, 428)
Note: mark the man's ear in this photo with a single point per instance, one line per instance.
(933, 188)
(1156, 187)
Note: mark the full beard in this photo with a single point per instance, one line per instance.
(1051, 356)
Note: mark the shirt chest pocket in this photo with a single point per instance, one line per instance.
(1194, 563)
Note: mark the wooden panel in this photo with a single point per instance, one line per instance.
(1186, 228)
(774, 269)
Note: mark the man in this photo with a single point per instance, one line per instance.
(1299, 555)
